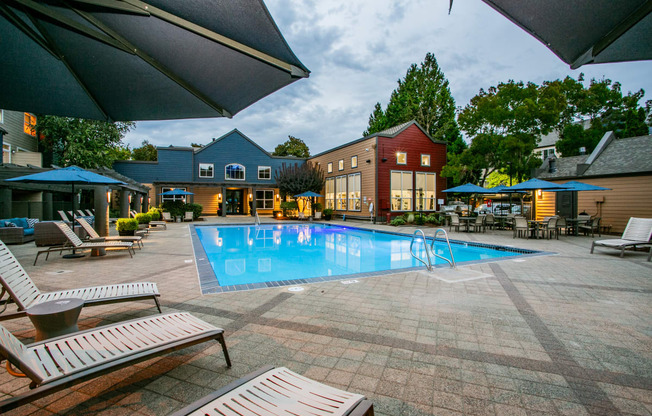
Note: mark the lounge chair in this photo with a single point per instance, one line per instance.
(81, 213)
(301, 216)
(95, 237)
(58, 363)
(75, 243)
(90, 213)
(188, 216)
(276, 391)
(23, 291)
(637, 233)
(63, 216)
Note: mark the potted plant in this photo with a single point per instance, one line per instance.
(328, 214)
(318, 206)
(126, 226)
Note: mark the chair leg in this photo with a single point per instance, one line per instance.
(220, 339)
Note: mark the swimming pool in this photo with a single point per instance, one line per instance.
(248, 257)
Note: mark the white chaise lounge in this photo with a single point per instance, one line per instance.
(637, 233)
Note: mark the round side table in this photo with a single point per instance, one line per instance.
(55, 317)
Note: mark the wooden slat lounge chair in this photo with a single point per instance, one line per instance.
(58, 363)
(23, 291)
(63, 216)
(278, 391)
(95, 237)
(81, 213)
(90, 213)
(167, 217)
(187, 216)
(637, 233)
(75, 243)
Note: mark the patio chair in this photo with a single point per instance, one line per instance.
(276, 391)
(549, 228)
(521, 226)
(561, 224)
(637, 233)
(167, 217)
(302, 216)
(478, 223)
(58, 363)
(94, 237)
(188, 216)
(22, 290)
(75, 243)
(490, 221)
(454, 222)
(591, 227)
(509, 221)
(318, 215)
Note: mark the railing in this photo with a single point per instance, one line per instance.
(431, 250)
(257, 218)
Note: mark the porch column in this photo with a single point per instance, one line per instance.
(124, 203)
(145, 202)
(137, 203)
(101, 206)
(48, 207)
(223, 203)
(253, 201)
(5, 205)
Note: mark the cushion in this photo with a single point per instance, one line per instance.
(31, 222)
(20, 222)
(10, 224)
(2, 223)
(28, 231)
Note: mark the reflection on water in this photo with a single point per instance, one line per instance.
(249, 254)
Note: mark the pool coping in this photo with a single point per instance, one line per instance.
(209, 282)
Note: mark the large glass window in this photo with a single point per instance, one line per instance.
(329, 189)
(172, 198)
(401, 191)
(205, 170)
(425, 191)
(354, 192)
(340, 193)
(235, 172)
(265, 199)
(264, 172)
(30, 122)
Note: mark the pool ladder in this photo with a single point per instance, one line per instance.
(257, 219)
(430, 251)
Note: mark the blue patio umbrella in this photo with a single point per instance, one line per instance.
(534, 184)
(72, 175)
(581, 186)
(176, 192)
(308, 194)
(468, 188)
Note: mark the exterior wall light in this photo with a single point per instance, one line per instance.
(108, 196)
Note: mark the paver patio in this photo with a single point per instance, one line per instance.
(566, 334)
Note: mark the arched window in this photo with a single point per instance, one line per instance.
(234, 171)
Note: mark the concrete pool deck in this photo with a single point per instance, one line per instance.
(566, 334)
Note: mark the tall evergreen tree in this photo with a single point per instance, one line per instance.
(423, 95)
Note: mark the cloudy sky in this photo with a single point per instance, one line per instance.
(357, 50)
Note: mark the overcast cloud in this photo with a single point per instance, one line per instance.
(357, 51)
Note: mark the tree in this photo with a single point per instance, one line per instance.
(146, 151)
(423, 95)
(292, 147)
(85, 143)
(293, 180)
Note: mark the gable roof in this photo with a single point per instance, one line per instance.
(611, 157)
(250, 141)
(390, 132)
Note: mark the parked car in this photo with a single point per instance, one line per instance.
(455, 206)
(483, 209)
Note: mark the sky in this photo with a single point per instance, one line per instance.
(358, 50)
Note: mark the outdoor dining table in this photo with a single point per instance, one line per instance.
(502, 220)
(575, 223)
(537, 226)
(466, 221)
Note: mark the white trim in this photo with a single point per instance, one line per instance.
(244, 172)
(356, 162)
(401, 197)
(429, 159)
(340, 163)
(264, 199)
(348, 191)
(270, 173)
(212, 169)
(397, 155)
(329, 168)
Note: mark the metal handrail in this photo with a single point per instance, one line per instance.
(432, 247)
(257, 218)
(425, 247)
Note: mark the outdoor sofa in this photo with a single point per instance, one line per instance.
(17, 230)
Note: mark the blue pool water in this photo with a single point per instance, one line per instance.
(270, 253)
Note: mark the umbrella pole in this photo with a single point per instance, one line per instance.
(74, 254)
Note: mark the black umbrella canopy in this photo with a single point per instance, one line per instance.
(583, 32)
(134, 60)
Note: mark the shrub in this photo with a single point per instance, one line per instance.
(420, 220)
(143, 218)
(196, 209)
(126, 224)
(155, 213)
(397, 221)
(328, 213)
(318, 206)
(289, 206)
(175, 208)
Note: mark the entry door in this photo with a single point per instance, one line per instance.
(566, 204)
(234, 202)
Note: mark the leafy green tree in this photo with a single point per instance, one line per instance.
(292, 179)
(70, 141)
(292, 147)
(120, 153)
(423, 95)
(146, 151)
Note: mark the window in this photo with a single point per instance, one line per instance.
(548, 153)
(426, 185)
(235, 172)
(340, 193)
(2, 116)
(401, 158)
(206, 170)
(340, 164)
(172, 198)
(28, 127)
(425, 160)
(354, 162)
(354, 192)
(330, 167)
(329, 190)
(265, 199)
(264, 172)
(401, 191)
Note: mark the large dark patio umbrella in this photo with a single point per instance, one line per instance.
(72, 175)
(176, 192)
(583, 32)
(141, 60)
